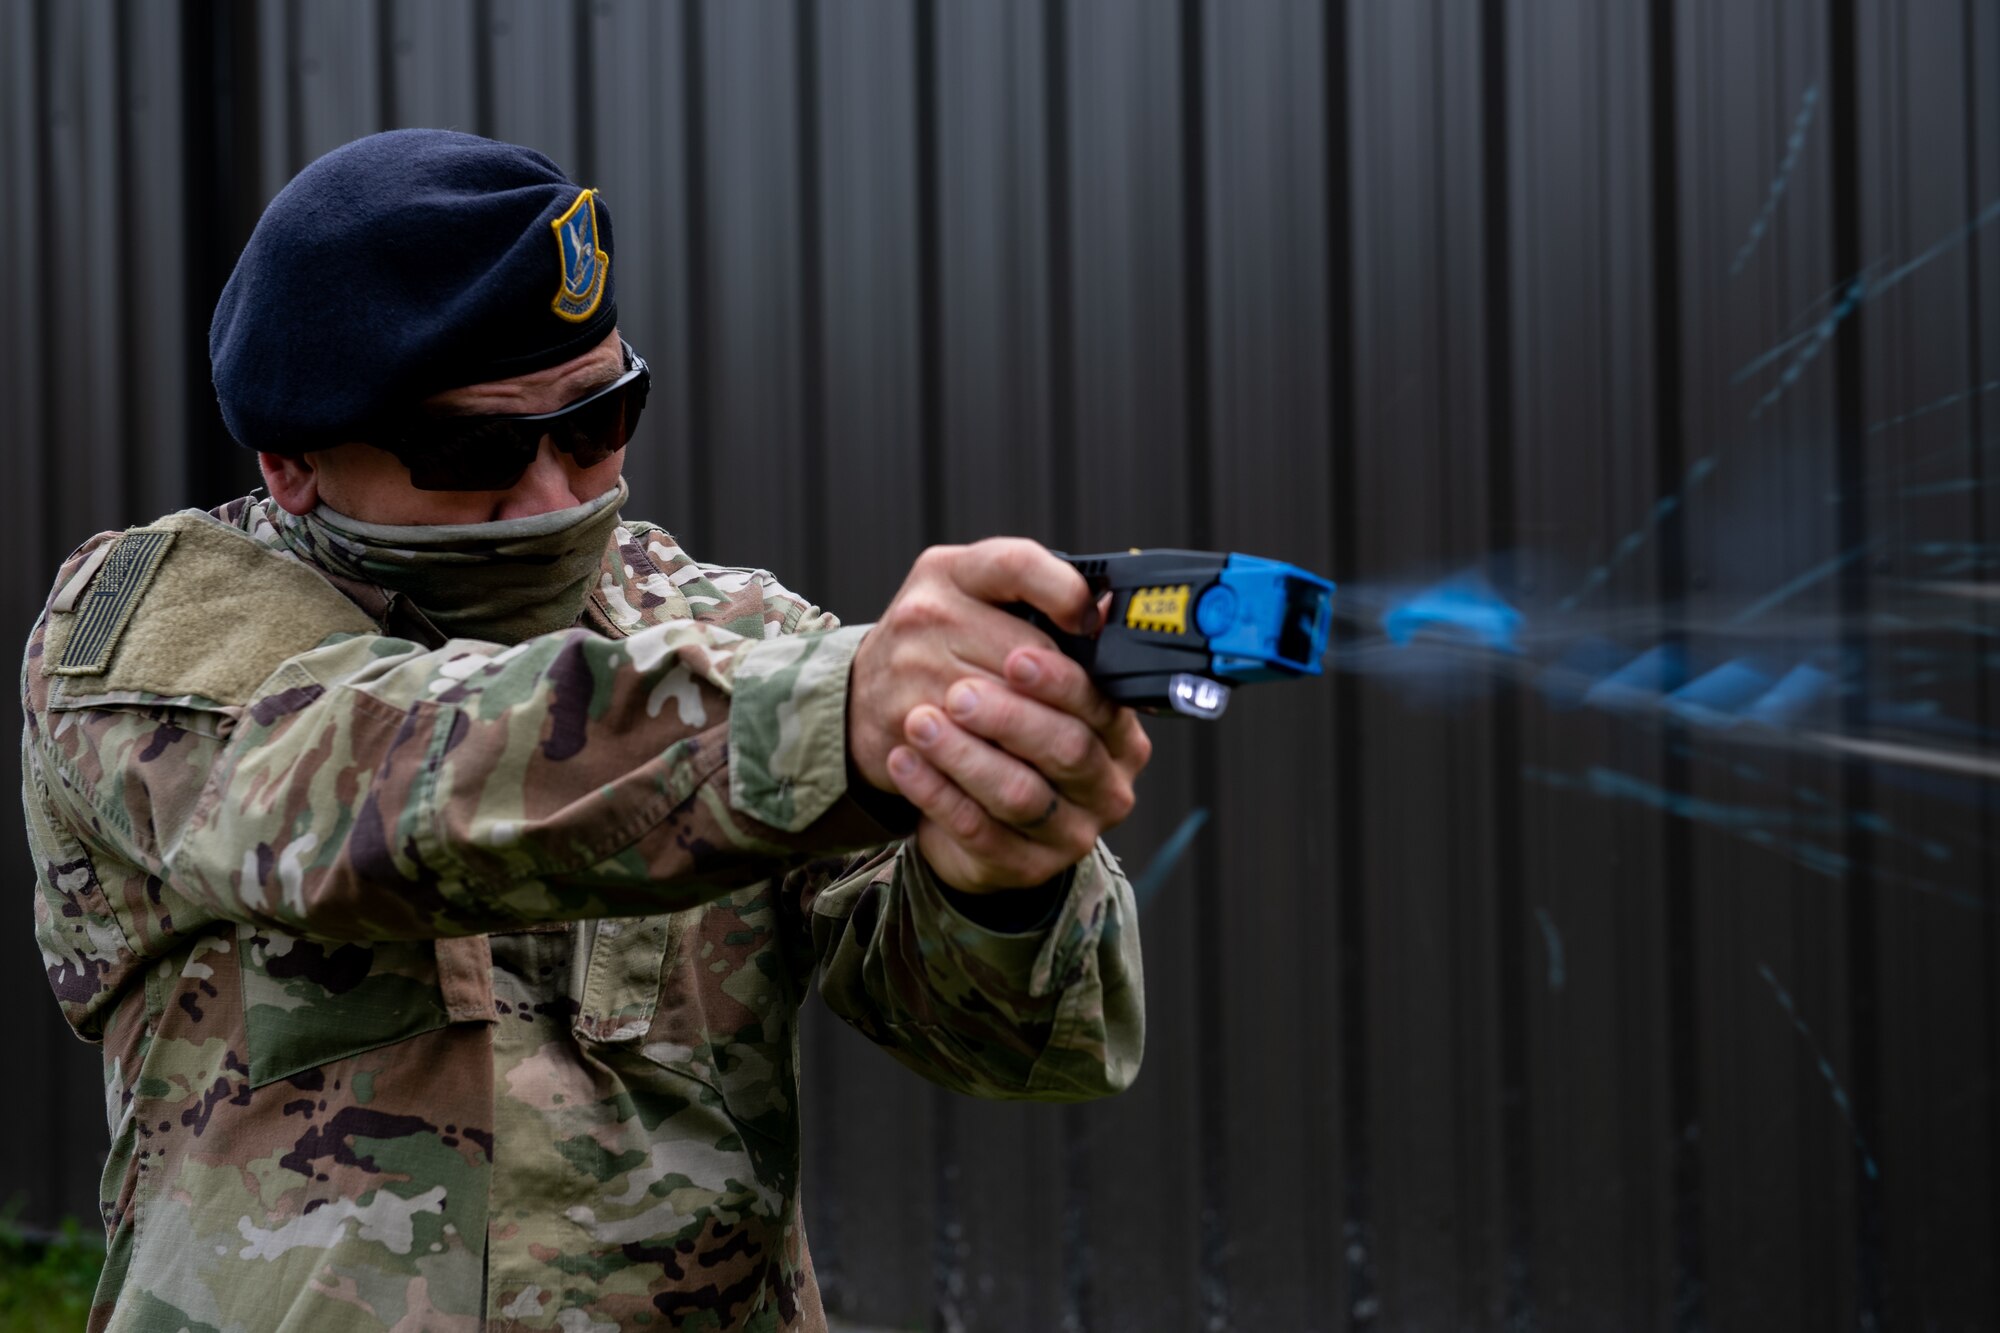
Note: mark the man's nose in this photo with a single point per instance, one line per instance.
(542, 489)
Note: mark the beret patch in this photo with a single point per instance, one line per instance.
(584, 267)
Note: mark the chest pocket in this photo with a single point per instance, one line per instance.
(704, 994)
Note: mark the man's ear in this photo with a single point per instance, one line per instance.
(293, 482)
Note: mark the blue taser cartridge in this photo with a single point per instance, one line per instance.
(1186, 626)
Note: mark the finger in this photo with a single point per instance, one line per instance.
(1055, 679)
(1128, 742)
(964, 845)
(934, 795)
(1060, 746)
(1001, 570)
(1009, 790)
(1079, 763)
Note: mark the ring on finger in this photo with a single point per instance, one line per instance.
(1055, 804)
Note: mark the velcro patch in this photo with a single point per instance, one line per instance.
(103, 614)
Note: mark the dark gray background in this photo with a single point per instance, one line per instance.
(1444, 1034)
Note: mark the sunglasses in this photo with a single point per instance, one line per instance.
(490, 453)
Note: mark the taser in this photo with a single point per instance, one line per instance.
(1187, 626)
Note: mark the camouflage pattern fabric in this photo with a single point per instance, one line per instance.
(450, 987)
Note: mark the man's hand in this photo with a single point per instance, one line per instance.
(1002, 743)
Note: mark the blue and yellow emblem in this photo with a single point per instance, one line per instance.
(584, 265)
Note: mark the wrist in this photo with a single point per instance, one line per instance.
(867, 746)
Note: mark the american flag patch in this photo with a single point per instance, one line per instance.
(103, 612)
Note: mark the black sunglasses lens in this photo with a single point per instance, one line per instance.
(635, 403)
(472, 454)
(593, 432)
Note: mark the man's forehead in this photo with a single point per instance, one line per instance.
(598, 366)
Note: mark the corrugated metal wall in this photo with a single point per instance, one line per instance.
(1472, 1016)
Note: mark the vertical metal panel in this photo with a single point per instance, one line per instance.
(435, 57)
(155, 322)
(1982, 59)
(82, 300)
(860, 394)
(333, 93)
(273, 29)
(1145, 1167)
(639, 110)
(752, 443)
(533, 48)
(998, 341)
(32, 1157)
(1933, 1132)
(864, 252)
(89, 381)
(1268, 488)
(1001, 329)
(217, 167)
(1007, 1247)
(1124, 232)
(1592, 938)
(322, 82)
(995, 1175)
(1773, 1152)
(1435, 1131)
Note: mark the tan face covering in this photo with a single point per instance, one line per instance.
(503, 582)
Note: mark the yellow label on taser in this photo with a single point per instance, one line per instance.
(1161, 610)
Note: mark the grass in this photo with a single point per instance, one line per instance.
(46, 1279)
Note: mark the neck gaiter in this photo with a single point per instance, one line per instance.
(503, 582)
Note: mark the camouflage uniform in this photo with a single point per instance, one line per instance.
(451, 986)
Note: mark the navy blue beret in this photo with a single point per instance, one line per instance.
(399, 266)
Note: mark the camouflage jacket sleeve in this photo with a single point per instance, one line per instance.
(373, 789)
(1054, 1015)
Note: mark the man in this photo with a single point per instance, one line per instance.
(441, 858)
